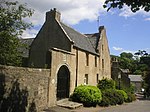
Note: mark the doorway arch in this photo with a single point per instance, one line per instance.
(63, 83)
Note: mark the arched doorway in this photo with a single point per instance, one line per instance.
(63, 83)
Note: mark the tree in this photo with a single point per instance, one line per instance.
(141, 53)
(126, 55)
(126, 61)
(135, 5)
(12, 25)
(147, 84)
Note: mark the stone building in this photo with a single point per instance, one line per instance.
(73, 58)
(118, 74)
(136, 80)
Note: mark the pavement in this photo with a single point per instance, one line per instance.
(142, 105)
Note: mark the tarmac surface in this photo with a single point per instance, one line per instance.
(140, 105)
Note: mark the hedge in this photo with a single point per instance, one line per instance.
(111, 97)
(86, 94)
(106, 84)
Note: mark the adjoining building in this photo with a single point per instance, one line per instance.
(137, 81)
(73, 58)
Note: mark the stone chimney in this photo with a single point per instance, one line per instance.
(101, 28)
(53, 14)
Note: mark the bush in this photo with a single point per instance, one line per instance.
(106, 84)
(130, 89)
(105, 101)
(125, 96)
(131, 97)
(88, 95)
(111, 97)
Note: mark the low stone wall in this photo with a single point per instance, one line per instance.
(23, 89)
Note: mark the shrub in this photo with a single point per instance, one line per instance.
(106, 84)
(111, 97)
(130, 89)
(125, 96)
(105, 101)
(131, 97)
(88, 95)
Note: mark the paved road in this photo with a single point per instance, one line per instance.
(137, 106)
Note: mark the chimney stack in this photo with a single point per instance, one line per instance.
(101, 28)
(53, 14)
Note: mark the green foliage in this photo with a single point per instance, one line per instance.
(126, 63)
(111, 97)
(105, 101)
(145, 60)
(130, 89)
(12, 26)
(9, 54)
(134, 5)
(147, 84)
(106, 84)
(88, 95)
(131, 97)
(138, 72)
(126, 55)
(125, 96)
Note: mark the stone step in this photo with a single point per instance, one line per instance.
(68, 104)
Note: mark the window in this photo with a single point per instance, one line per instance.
(87, 59)
(86, 79)
(102, 63)
(95, 61)
(97, 77)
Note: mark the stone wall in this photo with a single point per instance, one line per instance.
(23, 89)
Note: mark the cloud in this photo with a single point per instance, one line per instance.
(72, 11)
(126, 12)
(117, 48)
(29, 33)
(147, 19)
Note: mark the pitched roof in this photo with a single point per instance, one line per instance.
(93, 38)
(125, 70)
(80, 41)
(25, 50)
(135, 78)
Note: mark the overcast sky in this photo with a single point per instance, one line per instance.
(126, 31)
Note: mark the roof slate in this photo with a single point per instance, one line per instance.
(80, 41)
(135, 78)
(25, 50)
(93, 38)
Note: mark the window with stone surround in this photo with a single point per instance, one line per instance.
(95, 61)
(97, 78)
(86, 79)
(102, 63)
(87, 59)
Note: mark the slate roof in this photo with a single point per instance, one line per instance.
(25, 50)
(125, 70)
(85, 42)
(93, 38)
(135, 78)
(80, 41)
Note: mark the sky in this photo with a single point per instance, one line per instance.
(126, 31)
